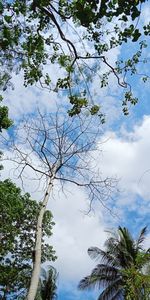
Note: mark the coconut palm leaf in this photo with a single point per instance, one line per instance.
(112, 290)
(141, 237)
(47, 286)
(119, 295)
(106, 270)
(105, 256)
(101, 276)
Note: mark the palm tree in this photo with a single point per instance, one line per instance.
(47, 286)
(120, 272)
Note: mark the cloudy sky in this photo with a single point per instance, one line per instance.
(124, 146)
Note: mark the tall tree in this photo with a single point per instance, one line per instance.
(120, 272)
(77, 36)
(18, 225)
(58, 148)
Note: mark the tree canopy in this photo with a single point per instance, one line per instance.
(18, 226)
(77, 37)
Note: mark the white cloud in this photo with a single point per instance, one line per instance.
(74, 233)
(147, 242)
(145, 14)
(127, 155)
(26, 100)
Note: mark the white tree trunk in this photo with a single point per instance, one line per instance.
(38, 245)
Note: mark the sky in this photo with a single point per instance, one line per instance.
(124, 147)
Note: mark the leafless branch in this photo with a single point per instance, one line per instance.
(67, 145)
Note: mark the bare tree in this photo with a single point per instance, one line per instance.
(59, 148)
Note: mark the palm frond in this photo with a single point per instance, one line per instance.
(127, 244)
(119, 295)
(111, 290)
(48, 285)
(107, 257)
(95, 252)
(141, 237)
(88, 282)
(93, 281)
(105, 270)
(101, 276)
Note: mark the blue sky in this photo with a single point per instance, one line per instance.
(125, 155)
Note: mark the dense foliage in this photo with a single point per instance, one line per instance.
(5, 122)
(122, 269)
(18, 225)
(77, 37)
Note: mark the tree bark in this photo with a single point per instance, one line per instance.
(38, 245)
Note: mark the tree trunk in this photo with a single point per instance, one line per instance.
(38, 245)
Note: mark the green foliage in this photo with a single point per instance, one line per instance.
(128, 99)
(94, 109)
(147, 29)
(5, 122)
(41, 40)
(137, 278)
(137, 284)
(122, 268)
(78, 103)
(18, 224)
